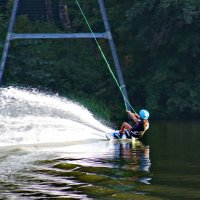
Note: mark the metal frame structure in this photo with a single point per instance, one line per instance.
(106, 35)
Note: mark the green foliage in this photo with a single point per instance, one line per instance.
(164, 46)
(100, 110)
(158, 44)
(3, 28)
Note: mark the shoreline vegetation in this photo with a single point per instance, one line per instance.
(157, 44)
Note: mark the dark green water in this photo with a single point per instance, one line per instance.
(175, 157)
(164, 165)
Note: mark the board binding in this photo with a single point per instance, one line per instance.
(116, 136)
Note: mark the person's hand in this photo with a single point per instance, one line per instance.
(129, 112)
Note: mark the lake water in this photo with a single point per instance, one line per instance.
(52, 148)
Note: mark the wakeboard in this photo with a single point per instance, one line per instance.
(116, 136)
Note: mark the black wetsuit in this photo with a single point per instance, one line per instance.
(137, 130)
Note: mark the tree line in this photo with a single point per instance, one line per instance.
(157, 43)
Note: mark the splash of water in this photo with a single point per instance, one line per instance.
(32, 117)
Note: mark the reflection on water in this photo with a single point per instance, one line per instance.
(167, 169)
(52, 148)
(134, 156)
(119, 170)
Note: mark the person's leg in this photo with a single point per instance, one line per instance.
(124, 127)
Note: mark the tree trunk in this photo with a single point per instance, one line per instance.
(64, 16)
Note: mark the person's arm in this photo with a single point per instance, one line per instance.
(134, 117)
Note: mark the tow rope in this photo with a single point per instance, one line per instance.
(105, 59)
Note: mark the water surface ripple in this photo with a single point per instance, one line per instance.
(53, 148)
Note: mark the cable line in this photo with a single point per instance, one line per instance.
(105, 59)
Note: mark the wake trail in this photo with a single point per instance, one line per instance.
(29, 117)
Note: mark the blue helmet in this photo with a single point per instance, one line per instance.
(144, 114)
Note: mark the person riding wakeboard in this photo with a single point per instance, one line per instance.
(138, 130)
